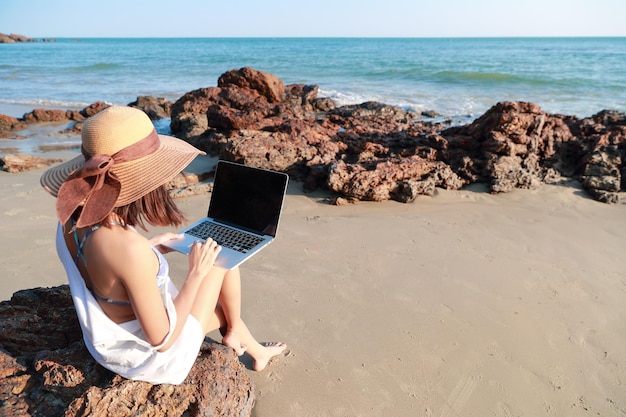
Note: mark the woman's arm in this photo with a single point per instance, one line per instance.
(139, 279)
(201, 260)
(158, 240)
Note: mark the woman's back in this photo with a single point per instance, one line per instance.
(105, 256)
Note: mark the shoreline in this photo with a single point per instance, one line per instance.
(465, 303)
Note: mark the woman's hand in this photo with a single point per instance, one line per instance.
(158, 241)
(202, 257)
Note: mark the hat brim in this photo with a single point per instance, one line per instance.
(138, 177)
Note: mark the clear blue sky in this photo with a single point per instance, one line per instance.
(318, 18)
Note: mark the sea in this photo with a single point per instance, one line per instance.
(456, 78)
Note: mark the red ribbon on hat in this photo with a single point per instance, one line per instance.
(95, 187)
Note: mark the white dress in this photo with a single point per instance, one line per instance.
(123, 348)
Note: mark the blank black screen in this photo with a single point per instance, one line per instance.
(247, 197)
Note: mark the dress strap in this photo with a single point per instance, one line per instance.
(80, 255)
(80, 243)
(109, 300)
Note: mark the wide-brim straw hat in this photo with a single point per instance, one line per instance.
(113, 130)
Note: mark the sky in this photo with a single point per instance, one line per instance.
(318, 18)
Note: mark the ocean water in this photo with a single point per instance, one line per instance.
(457, 78)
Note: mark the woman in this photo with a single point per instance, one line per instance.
(134, 320)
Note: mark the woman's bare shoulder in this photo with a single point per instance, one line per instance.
(124, 249)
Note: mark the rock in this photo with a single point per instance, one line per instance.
(94, 108)
(155, 107)
(341, 201)
(514, 143)
(48, 115)
(278, 150)
(407, 191)
(45, 115)
(267, 85)
(20, 162)
(364, 151)
(20, 38)
(10, 123)
(374, 151)
(376, 111)
(400, 179)
(244, 99)
(46, 370)
(6, 38)
(187, 184)
(604, 165)
(14, 37)
(508, 173)
(430, 113)
(189, 113)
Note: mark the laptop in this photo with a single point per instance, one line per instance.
(244, 211)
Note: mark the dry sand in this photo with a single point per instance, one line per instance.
(463, 304)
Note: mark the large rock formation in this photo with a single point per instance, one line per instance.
(374, 151)
(45, 370)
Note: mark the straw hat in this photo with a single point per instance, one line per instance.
(123, 159)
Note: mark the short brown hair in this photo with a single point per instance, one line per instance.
(157, 208)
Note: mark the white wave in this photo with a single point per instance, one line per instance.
(45, 103)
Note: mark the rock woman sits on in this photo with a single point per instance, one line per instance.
(134, 320)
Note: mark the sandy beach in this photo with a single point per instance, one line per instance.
(461, 304)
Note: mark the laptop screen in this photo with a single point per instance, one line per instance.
(246, 197)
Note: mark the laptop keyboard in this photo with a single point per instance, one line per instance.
(225, 236)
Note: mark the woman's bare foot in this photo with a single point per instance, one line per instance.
(231, 339)
(269, 350)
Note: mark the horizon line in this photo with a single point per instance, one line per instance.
(327, 37)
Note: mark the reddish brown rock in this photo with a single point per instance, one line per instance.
(155, 107)
(604, 165)
(45, 115)
(401, 179)
(278, 150)
(51, 115)
(94, 108)
(189, 113)
(266, 85)
(10, 123)
(14, 37)
(376, 151)
(517, 145)
(369, 151)
(6, 38)
(45, 370)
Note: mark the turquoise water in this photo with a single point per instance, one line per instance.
(454, 77)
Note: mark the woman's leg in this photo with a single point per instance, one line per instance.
(260, 352)
(230, 303)
(225, 286)
(203, 308)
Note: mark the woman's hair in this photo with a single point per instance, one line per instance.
(157, 208)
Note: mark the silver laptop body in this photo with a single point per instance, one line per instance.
(244, 211)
